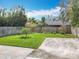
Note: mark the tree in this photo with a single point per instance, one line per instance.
(32, 20)
(13, 17)
(31, 23)
(74, 14)
(42, 23)
(63, 15)
(18, 16)
(25, 31)
(2, 17)
(43, 20)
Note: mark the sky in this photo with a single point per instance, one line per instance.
(34, 8)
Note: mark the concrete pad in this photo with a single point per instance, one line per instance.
(41, 54)
(62, 47)
(9, 52)
(32, 58)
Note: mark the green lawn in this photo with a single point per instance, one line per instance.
(34, 41)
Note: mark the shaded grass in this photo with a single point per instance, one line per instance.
(34, 40)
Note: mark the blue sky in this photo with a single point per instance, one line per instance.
(30, 4)
(35, 6)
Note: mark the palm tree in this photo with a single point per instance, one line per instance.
(42, 23)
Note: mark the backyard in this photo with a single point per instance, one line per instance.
(39, 29)
(33, 41)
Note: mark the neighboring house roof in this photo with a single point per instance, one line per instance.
(55, 22)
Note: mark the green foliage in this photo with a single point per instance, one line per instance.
(14, 17)
(61, 30)
(26, 31)
(74, 16)
(42, 23)
(32, 20)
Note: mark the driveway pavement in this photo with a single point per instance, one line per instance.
(8, 52)
(51, 48)
(62, 47)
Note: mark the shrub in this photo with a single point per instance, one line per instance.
(25, 31)
(61, 30)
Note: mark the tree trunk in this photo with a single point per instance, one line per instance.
(41, 29)
(63, 27)
(76, 30)
(26, 35)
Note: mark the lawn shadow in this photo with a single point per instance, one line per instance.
(24, 37)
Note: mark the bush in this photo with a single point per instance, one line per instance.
(26, 31)
(61, 30)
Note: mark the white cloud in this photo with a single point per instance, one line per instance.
(1, 7)
(35, 13)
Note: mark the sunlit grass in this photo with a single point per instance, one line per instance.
(34, 40)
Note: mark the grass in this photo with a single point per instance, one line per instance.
(34, 41)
